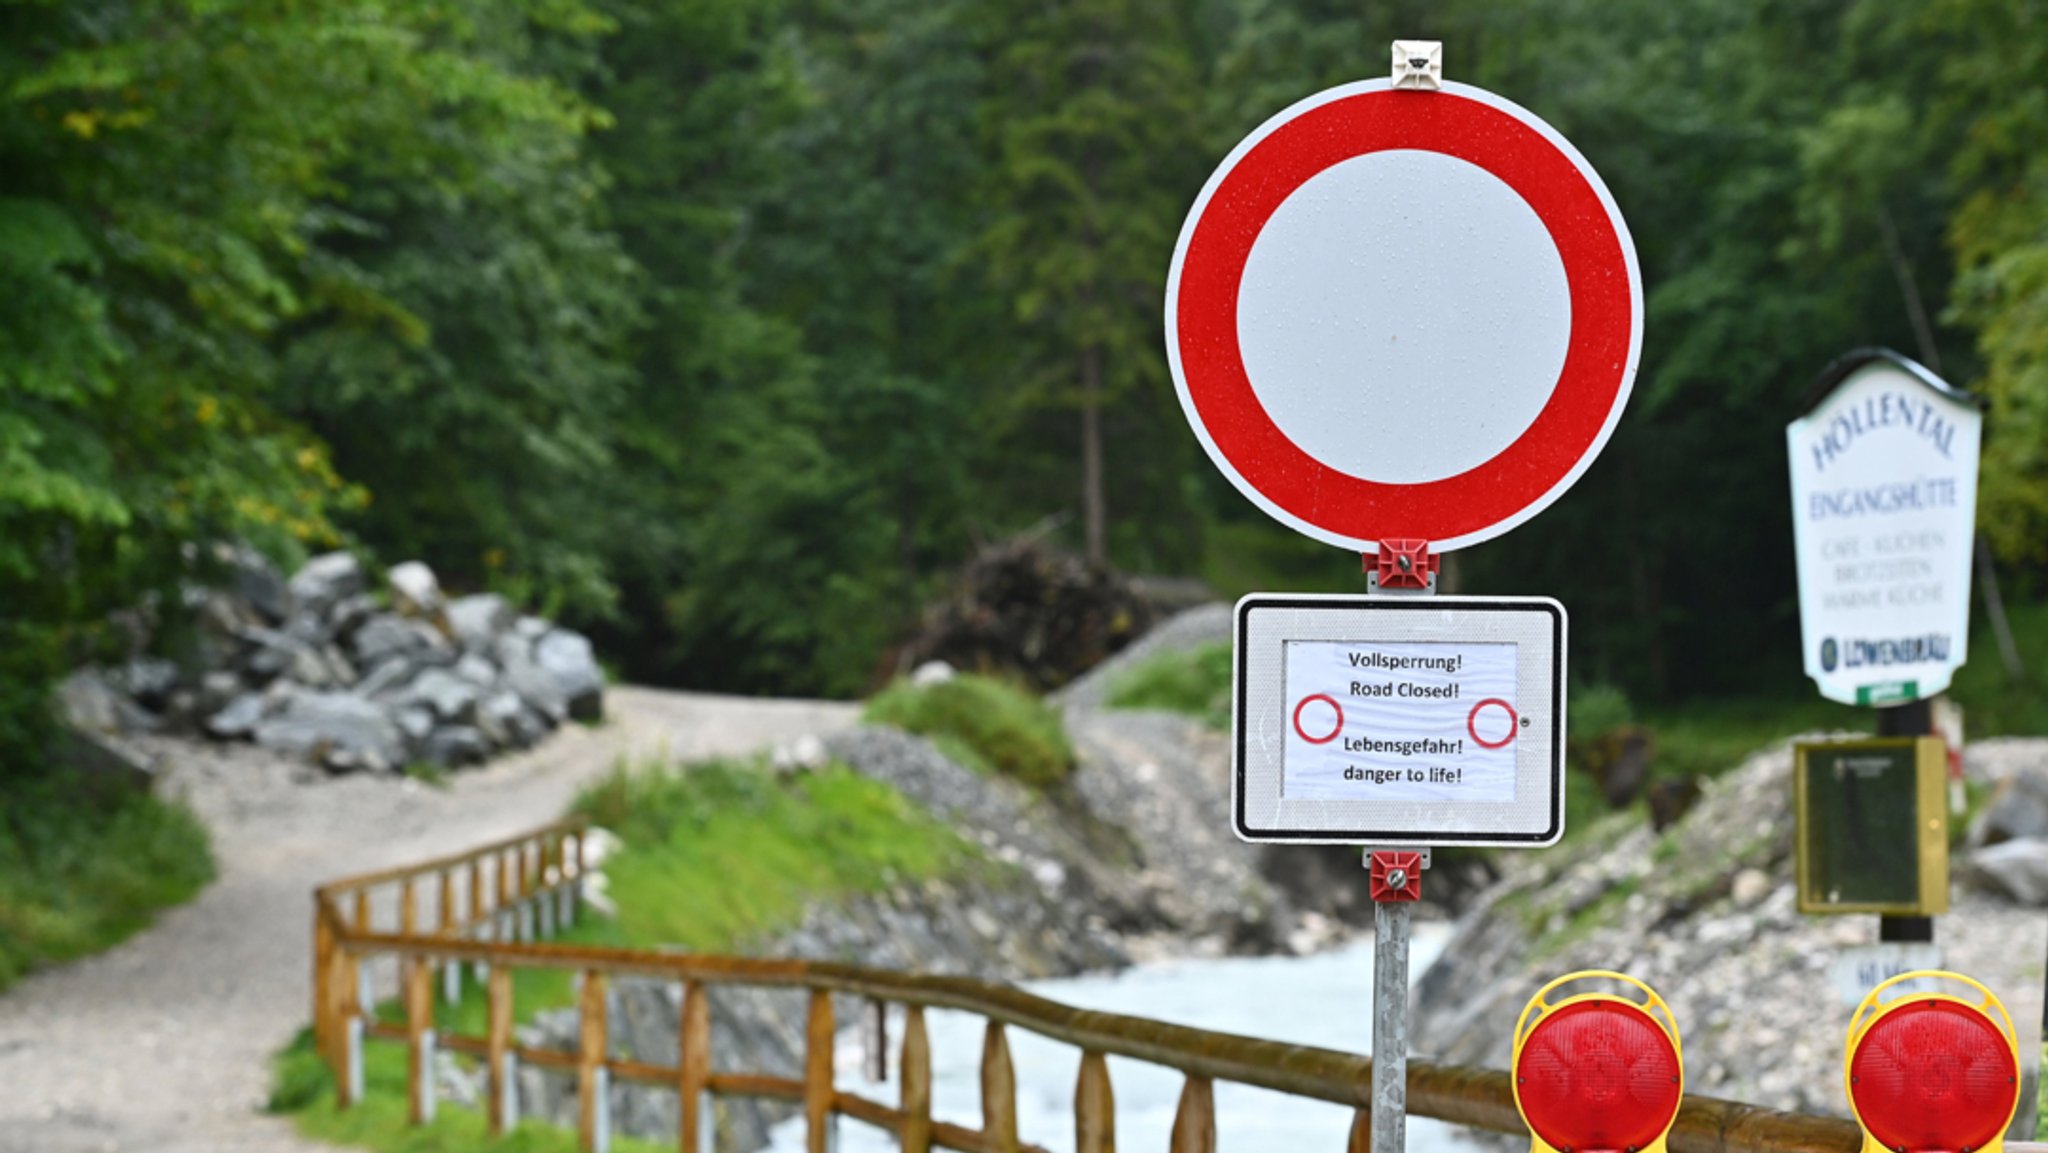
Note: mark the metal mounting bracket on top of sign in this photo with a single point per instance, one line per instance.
(1401, 566)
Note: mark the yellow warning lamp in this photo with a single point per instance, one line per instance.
(1929, 1071)
(1597, 1072)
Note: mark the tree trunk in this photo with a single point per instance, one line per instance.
(1094, 514)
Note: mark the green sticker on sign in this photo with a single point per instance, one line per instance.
(1894, 693)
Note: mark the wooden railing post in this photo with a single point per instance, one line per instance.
(818, 1073)
(573, 909)
(695, 1062)
(1361, 1132)
(419, 1038)
(1194, 1124)
(1094, 1107)
(475, 912)
(444, 925)
(498, 1043)
(529, 886)
(324, 1017)
(917, 1082)
(408, 908)
(544, 892)
(998, 1091)
(360, 971)
(499, 910)
(590, 1080)
(346, 987)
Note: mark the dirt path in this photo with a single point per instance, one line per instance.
(163, 1043)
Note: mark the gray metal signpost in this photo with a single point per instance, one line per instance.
(1322, 365)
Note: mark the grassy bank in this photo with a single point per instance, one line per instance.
(714, 857)
(986, 724)
(1195, 682)
(84, 864)
(379, 1120)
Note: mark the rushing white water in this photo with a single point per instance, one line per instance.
(1323, 1000)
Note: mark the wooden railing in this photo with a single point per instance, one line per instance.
(547, 872)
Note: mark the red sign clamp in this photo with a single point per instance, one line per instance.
(1396, 875)
(1402, 564)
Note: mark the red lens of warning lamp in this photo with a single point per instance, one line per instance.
(1931, 1071)
(1597, 1072)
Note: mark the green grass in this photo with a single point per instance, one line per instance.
(84, 864)
(304, 1090)
(429, 774)
(715, 856)
(988, 724)
(718, 854)
(1194, 681)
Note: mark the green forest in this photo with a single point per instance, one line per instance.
(728, 329)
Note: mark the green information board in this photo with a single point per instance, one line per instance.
(1873, 826)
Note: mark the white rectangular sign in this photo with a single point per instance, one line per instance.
(1861, 968)
(1390, 720)
(1398, 720)
(1884, 507)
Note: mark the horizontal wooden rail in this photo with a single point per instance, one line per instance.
(1472, 1097)
(573, 826)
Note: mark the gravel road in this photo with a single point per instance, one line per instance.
(163, 1043)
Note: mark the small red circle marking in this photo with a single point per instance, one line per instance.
(1334, 729)
(1472, 723)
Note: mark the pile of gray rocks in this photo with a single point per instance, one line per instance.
(321, 668)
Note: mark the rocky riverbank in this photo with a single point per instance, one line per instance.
(1705, 913)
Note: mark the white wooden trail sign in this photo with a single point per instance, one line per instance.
(1403, 315)
(1884, 510)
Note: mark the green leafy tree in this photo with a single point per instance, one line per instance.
(171, 173)
(1994, 103)
(1093, 111)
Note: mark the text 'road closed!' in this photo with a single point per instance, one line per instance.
(1395, 721)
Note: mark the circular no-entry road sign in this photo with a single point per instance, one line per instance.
(1404, 314)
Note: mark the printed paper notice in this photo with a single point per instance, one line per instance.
(1400, 722)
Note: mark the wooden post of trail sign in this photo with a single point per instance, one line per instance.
(1403, 317)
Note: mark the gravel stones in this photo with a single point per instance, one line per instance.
(315, 667)
(566, 659)
(2009, 839)
(325, 580)
(2015, 869)
(479, 620)
(340, 730)
(1706, 913)
(415, 591)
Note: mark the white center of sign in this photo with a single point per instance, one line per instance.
(1390, 289)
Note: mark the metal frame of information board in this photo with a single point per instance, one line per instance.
(1930, 826)
(1434, 606)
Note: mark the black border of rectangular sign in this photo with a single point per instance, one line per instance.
(1382, 837)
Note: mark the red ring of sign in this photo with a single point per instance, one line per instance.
(1472, 723)
(1326, 699)
(1596, 269)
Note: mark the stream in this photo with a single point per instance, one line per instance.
(1323, 1000)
